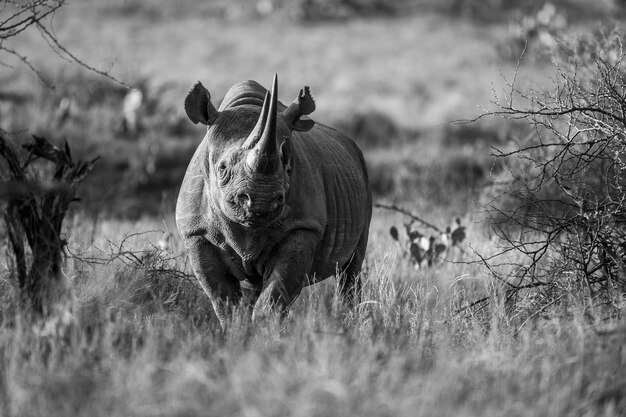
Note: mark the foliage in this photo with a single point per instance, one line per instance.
(561, 206)
(33, 211)
(402, 352)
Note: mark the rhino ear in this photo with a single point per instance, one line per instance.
(198, 105)
(302, 106)
(303, 125)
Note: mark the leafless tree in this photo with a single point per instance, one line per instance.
(20, 16)
(561, 206)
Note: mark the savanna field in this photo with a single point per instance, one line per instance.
(495, 274)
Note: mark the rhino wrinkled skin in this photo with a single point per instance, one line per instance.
(271, 202)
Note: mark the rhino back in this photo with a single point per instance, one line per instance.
(333, 181)
(246, 93)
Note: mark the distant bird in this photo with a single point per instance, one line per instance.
(130, 111)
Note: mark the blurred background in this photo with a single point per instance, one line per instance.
(394, 75)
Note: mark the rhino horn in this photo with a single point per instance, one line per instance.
(263, 157)
(256, 133)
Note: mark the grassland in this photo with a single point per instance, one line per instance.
(144, 341)
(146, 345)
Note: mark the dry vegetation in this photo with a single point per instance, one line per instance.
(147, 345)
(448, 340)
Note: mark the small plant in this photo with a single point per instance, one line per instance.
(423, 251)
(33, 202)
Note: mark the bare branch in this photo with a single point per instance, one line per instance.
(18, 17)
(395, 208)
(560, 213)
(52, 38)
(26, 62)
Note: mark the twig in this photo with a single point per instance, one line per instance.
(50, 37)
(401, 210)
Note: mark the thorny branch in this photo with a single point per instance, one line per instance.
(19, 16)
(407, 213)
(153, 258)
(560, 211)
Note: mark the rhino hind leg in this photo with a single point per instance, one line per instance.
(350, 283)
(349, 280)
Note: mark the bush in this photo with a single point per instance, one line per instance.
(35, 201)
(561, 207)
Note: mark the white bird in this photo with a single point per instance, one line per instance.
(130, 110)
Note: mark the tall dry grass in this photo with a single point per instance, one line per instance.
(146, 343)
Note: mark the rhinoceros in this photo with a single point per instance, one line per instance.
(271, 201)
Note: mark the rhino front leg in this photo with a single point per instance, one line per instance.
(212, 275)
(286, 273)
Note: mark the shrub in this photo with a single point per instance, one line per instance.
(33, 209)
(561, 206)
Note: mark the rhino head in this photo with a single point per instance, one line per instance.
(247, 159)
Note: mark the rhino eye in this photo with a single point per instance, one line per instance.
(223, 172)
